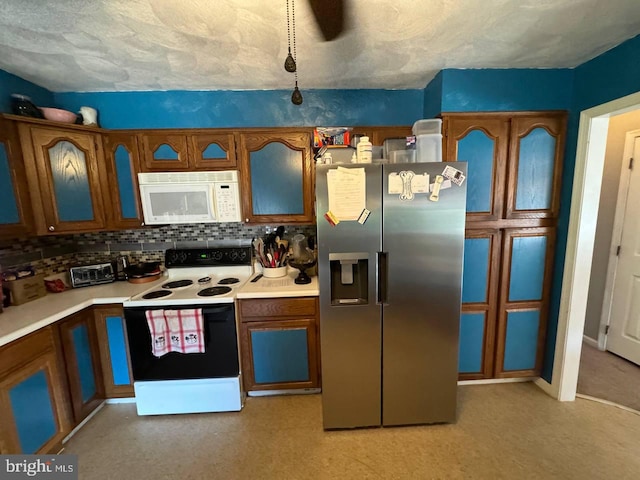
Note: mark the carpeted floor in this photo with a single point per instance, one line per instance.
(609, 377)
(504, 431)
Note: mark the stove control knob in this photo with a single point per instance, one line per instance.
(233, 255)
(173, 257)
(217, 255)
(243, 255)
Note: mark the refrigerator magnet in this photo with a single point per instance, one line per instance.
(445, 184)
(363, 216)
(331, 218)
(453, 174)
(435, 194)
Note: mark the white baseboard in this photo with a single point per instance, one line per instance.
(121, 400)
(292, 391)
(546, 387)
(607, 402)
(496, 380)
(590, 341)
(83, 422)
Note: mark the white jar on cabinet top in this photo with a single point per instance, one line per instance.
(364, 150)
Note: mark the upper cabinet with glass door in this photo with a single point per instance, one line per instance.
(277, 176)
(172, 150)
(123, 165)
(66, 171)
(15, 205)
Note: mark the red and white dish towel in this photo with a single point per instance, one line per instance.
(176, 331)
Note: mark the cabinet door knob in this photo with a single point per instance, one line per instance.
(246, 220)
(51, 228)
(142, 224)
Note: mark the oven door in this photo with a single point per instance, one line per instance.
(220, 357)
(165, 203)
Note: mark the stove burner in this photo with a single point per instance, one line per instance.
(228, 281)
(204, 280)
(211, 291)
(177, 284)
(156, 294)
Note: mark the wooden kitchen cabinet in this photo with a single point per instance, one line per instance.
(34, 405)
(123, 164)
(114, 351)
(279, 339)
(183, 150)
(16, 217)
(513, 200)
(67, 175)
(82, 360)
(277, 176)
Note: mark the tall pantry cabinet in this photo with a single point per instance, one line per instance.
(513, 195)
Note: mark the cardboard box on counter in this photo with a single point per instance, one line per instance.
(26, 289)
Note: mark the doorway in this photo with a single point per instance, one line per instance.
(590, 155)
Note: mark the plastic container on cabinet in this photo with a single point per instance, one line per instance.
(402, 156)
(427, 127)
(429, 148)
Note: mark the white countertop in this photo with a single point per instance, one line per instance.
(18, 321)
(279, 287)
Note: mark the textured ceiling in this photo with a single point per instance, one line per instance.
(105, 45)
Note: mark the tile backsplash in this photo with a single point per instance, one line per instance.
(55, 254)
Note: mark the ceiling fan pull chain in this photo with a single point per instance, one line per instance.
(296, 96)
(289, 63)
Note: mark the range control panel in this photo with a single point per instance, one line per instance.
(207, 257)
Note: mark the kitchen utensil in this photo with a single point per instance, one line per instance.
(274, 272)
(257, 277)
(89, 116)
(147, 279)
(302, 278)
(58, 115)
(122, 263)
(142, 270)
(22, 105)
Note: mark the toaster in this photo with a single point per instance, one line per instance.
(88, 275)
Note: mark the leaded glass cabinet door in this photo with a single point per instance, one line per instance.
(121, 150)
(524, 300)
(535, 166)
(164, 151)
(482, 143)
(71, 180)
(277, 177)
(15, 212)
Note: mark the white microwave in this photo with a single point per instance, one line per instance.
(190, 197)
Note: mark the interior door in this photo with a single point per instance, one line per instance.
(624, 320)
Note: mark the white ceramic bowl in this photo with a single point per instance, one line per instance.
(274, 272)
(58, 115)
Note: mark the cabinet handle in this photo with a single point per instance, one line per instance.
(246, 220)
(142, 224)
(51, 228)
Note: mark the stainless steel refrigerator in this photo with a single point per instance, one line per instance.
(390, 292)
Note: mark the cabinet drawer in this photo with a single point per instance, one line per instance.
(25, 349)
(277, 307)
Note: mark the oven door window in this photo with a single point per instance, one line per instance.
(219, 360)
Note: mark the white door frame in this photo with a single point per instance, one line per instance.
(585, 198)
(616, 237)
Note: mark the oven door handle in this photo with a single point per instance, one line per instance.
(217, 309)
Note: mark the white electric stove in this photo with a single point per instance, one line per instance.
(205, 279)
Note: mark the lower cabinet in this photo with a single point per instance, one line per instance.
(279, 343)
(114, 353)
(80, 347)
(34, 404)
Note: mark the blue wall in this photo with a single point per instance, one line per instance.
(614, 74)
(265, 108)
(506, 90)
(10, 83)
(433, 97)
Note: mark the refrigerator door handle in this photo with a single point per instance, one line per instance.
(382, 278)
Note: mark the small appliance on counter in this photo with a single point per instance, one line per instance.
(89, 275)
